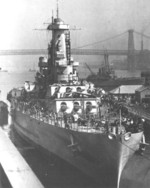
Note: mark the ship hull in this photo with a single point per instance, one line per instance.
(112, 84)
(94, 154)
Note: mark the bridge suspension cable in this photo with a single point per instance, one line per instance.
(142, 34)
(110, 38)
(77, 50)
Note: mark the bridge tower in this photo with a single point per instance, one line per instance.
(131, 51)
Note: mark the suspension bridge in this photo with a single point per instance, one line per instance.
(130, 52)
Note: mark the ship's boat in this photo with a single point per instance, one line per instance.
(64, 116)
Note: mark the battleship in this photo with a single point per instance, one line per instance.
(62, 115)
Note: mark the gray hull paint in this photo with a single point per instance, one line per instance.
(94, 154)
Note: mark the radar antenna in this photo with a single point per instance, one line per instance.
(57, 8)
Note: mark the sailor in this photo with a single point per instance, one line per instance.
(140, 126)
(75, 117)
(56, 92)
(79, 89)
(68, 92)
(70, 77)
(66, 121)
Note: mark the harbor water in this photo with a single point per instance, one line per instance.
(52, 171)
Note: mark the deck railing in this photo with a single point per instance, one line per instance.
(86, 123)
(59, 120)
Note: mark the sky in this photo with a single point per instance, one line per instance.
(98, 20)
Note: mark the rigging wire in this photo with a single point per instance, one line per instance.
(144, 156)
(110, 38)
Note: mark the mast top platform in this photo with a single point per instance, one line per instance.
(58, 24)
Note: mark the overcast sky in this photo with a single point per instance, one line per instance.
(99, 19)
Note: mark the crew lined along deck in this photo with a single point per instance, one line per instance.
(67, 122)
(109, 123)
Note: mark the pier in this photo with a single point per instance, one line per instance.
(16, 169)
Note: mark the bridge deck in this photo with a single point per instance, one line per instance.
(73, 52)
(15, 167)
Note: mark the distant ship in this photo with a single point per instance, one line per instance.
(106, 78)
(108, 83)
(3, 70)
(32, 70)
(61, 114)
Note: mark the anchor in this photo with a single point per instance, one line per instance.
(74, 146)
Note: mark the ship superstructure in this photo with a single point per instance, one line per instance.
(64, 116)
